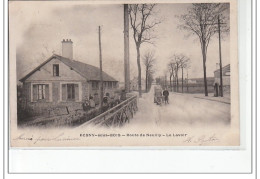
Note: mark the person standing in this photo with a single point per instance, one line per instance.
(166, 96)
(92, 102)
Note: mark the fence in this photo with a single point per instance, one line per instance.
(116, 116)
(193, 88)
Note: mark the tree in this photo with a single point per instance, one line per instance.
(184, 63)
(176, 59)
(148, 60)
(143, 27)
(187, 79)
(150, 80)
(171, 68)
(201, 20)
(158, 80)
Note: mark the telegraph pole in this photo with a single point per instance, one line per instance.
(187, 81)
(220, 60)
(126, 49)
(101, 73)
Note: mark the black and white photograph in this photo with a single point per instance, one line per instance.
(114, 74)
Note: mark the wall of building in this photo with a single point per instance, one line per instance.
(226, 80)
(43, 107)
(46, 73)
(111, 91)
(66, 75)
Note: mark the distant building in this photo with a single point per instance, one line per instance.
(60, 80)
(225, 79)
(200, 80)
(191, 81)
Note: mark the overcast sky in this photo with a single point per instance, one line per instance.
(39, 28)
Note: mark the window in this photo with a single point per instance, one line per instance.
(94, 85)
(40, 92)
(109, 84)
(70, 92)
(56, 70)
(114, 84)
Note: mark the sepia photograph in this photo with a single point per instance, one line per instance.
(113, 74)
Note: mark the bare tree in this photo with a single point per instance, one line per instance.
(177, 59)
(148, 60)
(201, 20)
(171, 68)
(150, 80)
(165, 79)
(184, 63)
(187, 80)
(143, 25)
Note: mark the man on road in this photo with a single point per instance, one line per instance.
(166, 96)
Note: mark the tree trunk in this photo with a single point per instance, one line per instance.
(204, 69)
(187, 83)
(171, 82)
(146, 80)
(177, 81)
(139, 71)
(182, 79)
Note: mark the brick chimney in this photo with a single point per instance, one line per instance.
(67, 48)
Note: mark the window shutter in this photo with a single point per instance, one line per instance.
(47, 92)
(76, 92)
(35, 88)
(64, 92)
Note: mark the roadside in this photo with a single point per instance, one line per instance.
(225, 99)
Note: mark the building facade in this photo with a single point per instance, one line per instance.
(225, 80)
(60, 81)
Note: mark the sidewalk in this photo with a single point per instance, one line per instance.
(225, 99)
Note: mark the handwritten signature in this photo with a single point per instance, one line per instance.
(59, 137)
(202, 139)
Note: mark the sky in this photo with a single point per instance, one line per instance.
(39, 27)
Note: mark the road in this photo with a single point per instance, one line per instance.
(182, 110)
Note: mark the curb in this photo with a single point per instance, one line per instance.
(213, 100)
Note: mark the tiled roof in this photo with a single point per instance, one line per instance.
(89, 72)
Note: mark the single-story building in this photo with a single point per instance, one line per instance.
(225, 80)
(61, 80)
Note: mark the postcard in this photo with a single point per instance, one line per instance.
(123, 74)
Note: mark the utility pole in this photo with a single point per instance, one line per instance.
(165, 82)
(101, 73)
(182, 79)
(126, 49)
(220, 60)
(187, 81)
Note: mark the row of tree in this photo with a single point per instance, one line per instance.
(177, 62)
(149, 62)
(203, 20)
(143, 23)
